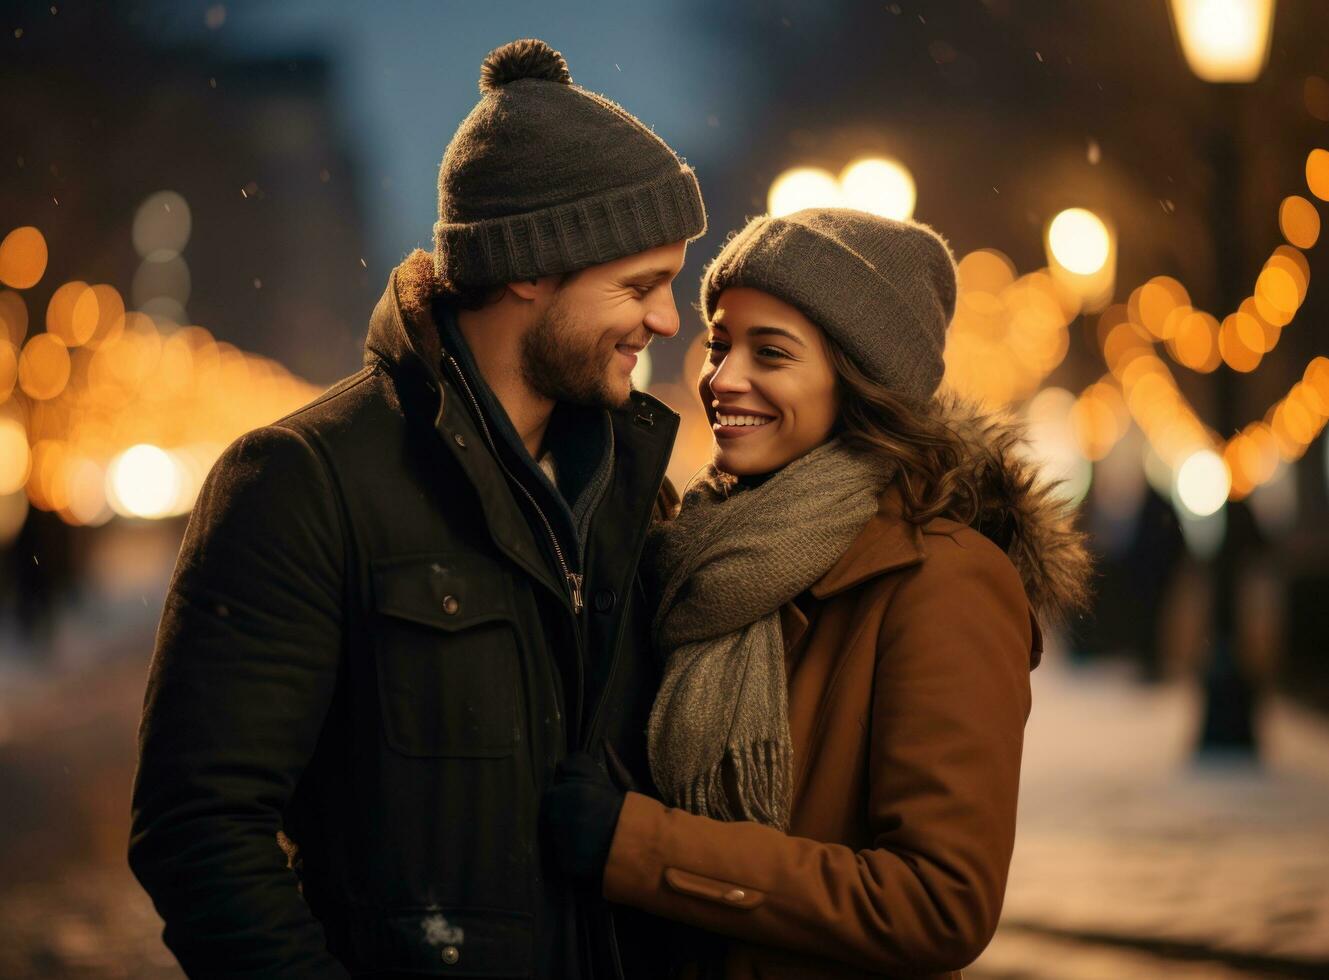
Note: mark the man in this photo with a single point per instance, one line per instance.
(396, 610)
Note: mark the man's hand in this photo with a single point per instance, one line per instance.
(579, 814)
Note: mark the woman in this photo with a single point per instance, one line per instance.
(847, 609)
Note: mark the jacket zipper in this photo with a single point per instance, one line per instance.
(571, 579)
(591, 730)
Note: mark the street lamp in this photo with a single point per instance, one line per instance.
(1226, 41)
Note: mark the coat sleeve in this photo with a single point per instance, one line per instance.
(951, 696)
(243, 672)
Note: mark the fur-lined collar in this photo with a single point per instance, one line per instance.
(1022, 513)
(416, 289)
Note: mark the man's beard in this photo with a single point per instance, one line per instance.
(565, 364)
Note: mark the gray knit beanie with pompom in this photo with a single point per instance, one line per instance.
(545, 177)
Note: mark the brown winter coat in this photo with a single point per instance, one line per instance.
(908, 669)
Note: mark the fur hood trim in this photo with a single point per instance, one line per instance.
(1022, 512)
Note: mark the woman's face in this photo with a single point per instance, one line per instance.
(768, 384)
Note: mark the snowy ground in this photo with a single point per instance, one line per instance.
(1133, 861)
(1130, 862)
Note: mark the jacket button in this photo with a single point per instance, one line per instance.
(459, 439)
(451, 605)
(604, 600)
(451, 954)
(735, 895)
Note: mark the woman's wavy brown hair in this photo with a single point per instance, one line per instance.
(943, 470)
(960, 462)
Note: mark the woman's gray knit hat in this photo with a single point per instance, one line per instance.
(883, 290)
(545, 177)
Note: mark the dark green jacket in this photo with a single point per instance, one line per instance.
(369, 647)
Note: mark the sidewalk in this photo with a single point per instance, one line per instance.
(1131, 861)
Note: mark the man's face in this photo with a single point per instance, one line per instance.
(584, 345)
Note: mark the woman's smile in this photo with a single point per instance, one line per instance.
(733, 421)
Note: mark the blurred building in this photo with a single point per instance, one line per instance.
(200, 216)
(99, 117)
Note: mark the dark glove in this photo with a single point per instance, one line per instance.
(579, 813)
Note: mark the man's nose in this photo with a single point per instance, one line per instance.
(662, 319)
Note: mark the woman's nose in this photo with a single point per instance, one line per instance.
(729, 377)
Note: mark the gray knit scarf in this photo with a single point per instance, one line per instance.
(719, 732)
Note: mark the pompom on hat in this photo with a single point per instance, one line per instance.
(545, 177)
(883, 290)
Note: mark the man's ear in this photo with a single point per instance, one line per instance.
(534, 290)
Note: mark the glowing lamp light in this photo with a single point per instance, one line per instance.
(143, 481)
(803, 187)
(1079, 241)
(880, 186)
(1224, 40)
(1202, 483)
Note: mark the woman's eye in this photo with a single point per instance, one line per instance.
(771, 352)
(715, 346)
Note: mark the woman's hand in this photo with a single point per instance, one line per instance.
(578, 814)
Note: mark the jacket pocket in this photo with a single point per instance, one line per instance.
(446, 647)
(457, 942)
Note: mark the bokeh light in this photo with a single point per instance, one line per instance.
(143, 481)
(1202, 483)
(72, 313)
(881, 186)
(161, 226)
(1235, 349)
(1079, 241)
(803, 187)
(1299, 221)
(15, 457)
(43, 367)
(1194, 343)
(13, 317)
(1317, 173)
(1053, 443)
(23, 258)
(8, 369)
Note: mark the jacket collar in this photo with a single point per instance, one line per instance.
(887, 542)
(391, 340)
(644, 430)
